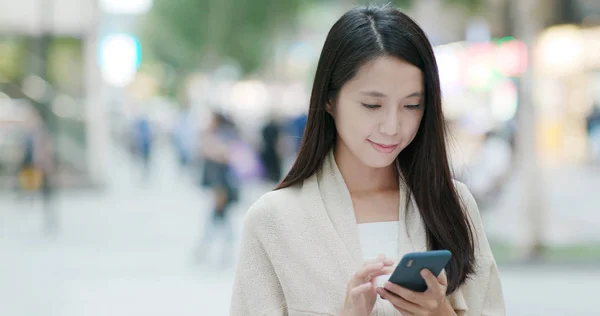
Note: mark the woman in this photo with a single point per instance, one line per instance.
(374, 153)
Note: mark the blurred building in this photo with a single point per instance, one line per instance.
(48, 61)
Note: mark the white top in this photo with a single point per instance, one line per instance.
(379, 238)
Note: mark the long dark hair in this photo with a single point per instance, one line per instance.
(359, 36)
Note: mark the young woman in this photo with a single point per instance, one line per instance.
(372, 176)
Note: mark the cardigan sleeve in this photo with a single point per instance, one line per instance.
(493, 303)
(256, 288)
(483, 291)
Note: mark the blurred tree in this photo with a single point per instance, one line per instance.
(191, 35)
(197, 34)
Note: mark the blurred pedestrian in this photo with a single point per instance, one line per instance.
(593, 131)
(219, 177)
(37, 170)
(490, 168)
(270, 153)
(184, 137)
(142, 142)
(296, 130)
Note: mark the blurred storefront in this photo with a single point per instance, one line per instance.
(480, 98)
(567, 70)
(48, 63)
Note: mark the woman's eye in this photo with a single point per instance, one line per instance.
(371, 106)
(412, 106)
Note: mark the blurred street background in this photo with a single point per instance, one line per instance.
(117, 118)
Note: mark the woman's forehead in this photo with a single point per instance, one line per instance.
(389, 76)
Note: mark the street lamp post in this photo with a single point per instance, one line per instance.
(527, 25)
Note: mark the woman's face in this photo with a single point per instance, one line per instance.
(378, 112)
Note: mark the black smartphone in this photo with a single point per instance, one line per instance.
(408, 272)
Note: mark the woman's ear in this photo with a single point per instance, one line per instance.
(329, 108)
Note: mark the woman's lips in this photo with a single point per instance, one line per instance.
(383, 148)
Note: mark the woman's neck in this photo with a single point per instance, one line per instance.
(363, 179)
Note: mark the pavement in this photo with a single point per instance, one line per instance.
(570, 208)
(129, 250)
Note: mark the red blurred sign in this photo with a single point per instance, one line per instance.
(478, 65)
(511, 58)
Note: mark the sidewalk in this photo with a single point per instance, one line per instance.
(571, 202)
(133, 256)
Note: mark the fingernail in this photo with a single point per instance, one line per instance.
(424, 272)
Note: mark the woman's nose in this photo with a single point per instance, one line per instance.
(390, 123)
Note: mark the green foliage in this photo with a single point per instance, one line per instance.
(192, 35)
(12, 58)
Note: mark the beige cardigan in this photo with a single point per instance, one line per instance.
(300, 247)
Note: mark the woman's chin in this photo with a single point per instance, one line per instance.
(379, 160)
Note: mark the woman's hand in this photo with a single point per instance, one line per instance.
(361, 295)
(431, 302)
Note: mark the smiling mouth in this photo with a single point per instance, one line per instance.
(383, 147)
